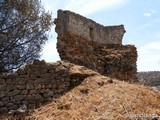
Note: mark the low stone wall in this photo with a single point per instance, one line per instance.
(117, 61)
(39, 82)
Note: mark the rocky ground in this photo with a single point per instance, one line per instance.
(98, 98)
(151, 79)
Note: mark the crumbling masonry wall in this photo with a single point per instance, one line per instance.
(71, 23)
(39, 82)
(85, 42)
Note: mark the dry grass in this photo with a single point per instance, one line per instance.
(98, 98)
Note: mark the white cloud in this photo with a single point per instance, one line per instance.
(54, 5)
(150, 13)
(86, 7)
(83, 7)
(147, 14)
(149, 57)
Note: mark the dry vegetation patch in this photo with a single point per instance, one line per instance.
(100, 98)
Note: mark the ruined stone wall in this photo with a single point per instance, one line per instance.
(69, 22)
(109, 57)
(39, 82)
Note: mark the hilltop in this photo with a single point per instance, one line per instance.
(97, 97)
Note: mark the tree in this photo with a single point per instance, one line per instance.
(24, 25)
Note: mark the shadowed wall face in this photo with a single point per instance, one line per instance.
(85, 42)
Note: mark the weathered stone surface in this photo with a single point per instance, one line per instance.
(3, 87)
(32, 106)
(13, 76)
(37, 86)
(84, 42)
(19, 97)
(24, 76)
(13, 93)
(25, 102)
(10, 87)
(29, 86)
(50, 93)
(1, 104)
(6, 98)
(30, 91)
(21, 71)
(4, 109)
(17, 102)
(45, 95)
(10, 104)
(62, 85)
(13, 107)
(29, 97)
(54, 86)
(24, 92)
(8, 81)
(2, 94)
(2, 81)
(3, 76)
(38, 97)
(69, 22)
(21, 86)
(21, 81)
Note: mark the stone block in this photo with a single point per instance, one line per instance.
(2, 94)
(2, 81)
(1, 104)
(13, 76)
(9, 81)
(38, 86)
(50, 93)
(13, 107)
(19, 97)
(29, 97)
(25, 102)
(3, 87)
(24, 92)
(10, 88)
(21, 72)
(38, 97)
(31, 106)
(4, 109)
(13, 93)
(29, 86)
(6, 98)
(21, 81)
(21, 87)
(31, 92)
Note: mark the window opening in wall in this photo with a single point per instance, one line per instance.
(91, 33)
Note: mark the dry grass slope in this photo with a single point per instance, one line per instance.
(99, 99)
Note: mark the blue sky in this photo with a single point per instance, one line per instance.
(141, 19)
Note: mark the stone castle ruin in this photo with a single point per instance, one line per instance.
(80, 41)
(71, 23)
(85, 42)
